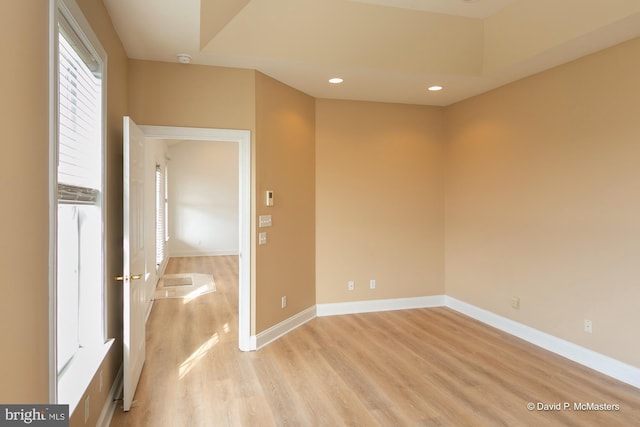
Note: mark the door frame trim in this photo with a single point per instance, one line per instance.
(246, 342)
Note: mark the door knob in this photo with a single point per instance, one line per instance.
(132, 277)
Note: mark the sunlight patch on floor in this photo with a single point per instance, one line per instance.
(201, 290)
(187, 286)
(197, 355)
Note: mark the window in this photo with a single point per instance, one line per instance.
(160, 216)
(78, 187)
(166, 203)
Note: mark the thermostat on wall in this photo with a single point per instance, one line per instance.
(269, 198)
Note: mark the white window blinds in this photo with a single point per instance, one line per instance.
(160, 199)
(80, 122)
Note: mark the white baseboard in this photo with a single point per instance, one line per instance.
(162, 267)
(149, 307)
(111, 403)
(253, 343)
(225, 252)
(379, 305)
(284, 327)
(589, 358)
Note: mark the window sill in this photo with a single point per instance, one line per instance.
(74, 380)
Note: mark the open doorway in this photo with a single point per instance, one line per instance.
(241, 139)
(201, 206)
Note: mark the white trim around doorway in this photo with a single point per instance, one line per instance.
(246, 341)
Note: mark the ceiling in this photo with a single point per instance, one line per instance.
(385, 50)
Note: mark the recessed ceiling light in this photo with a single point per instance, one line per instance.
(336, 80)
(434, 88)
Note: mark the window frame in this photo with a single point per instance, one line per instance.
(160, 214)
(85, 365)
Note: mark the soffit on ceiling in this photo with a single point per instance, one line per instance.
(386, 50)
(346, 33)
(467, 8)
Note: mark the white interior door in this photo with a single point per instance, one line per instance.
(134, 298)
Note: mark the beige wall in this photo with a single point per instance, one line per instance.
(380, 212)
(24, 309)
(542, 201)
(285, 164)
(172, 94)
(24, 217)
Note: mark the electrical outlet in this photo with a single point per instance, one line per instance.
(588, 326)
(515, 303)
(351, 285)
(284, 302)
(372, 284)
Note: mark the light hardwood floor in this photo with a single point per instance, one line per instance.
(425, 367)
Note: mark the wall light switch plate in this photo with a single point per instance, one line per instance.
(264, 221)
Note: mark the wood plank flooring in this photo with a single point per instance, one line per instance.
(425, 367)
